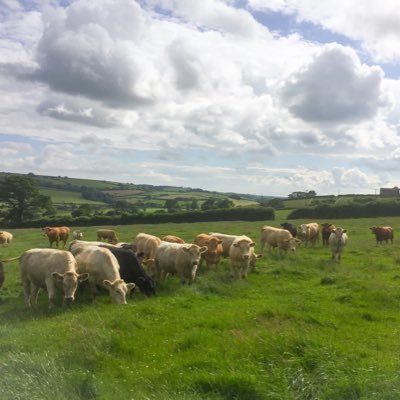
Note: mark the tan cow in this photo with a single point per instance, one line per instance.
(337, 241)
(103, 269)
(308, 233)
(172, 239)
(77, 235)
(178, 259)
(239, 256)
(107, 234)
(56, 234)
(5, 238)
(277, 237)
(43, 269)
(147, 244)
(214, 250)
(227, 241)
(382, 233)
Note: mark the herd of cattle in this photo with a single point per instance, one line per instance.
(120, 267)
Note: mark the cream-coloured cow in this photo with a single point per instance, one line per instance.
(103, 270)
(239, 256)
(5, 238)
(227, 241)
(146, 246)
(43, 269)
(308, 233)
(337, 242)
(277, 237)
(178, 259)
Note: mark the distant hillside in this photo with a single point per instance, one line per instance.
(68, 193)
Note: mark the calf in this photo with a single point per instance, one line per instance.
(43, 268)
(337, 242)
(239, 256)
(308, 233)
(382, 233)
(131, 270)
(77, 235)
(103, 269)
(178, 259)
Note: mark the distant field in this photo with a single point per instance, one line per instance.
(65, 196)
(301, 328)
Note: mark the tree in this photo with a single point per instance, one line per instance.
(172, 205)
(213, 203)
(22, 199)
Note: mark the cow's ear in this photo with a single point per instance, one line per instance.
(185, 249)
(57, 276)
(252, 244)
(107, 283)
(130, 286)
(259, 255)
(344, 230)
(236, 244)
(83, 277)
(203, 249)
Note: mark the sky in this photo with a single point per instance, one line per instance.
(265, 97)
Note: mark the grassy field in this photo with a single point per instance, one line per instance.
(301, 327)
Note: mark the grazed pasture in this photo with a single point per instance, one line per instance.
(301, 327)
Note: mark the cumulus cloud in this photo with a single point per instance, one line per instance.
(330, 87)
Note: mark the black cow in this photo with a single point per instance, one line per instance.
(131, 270)
(290, 227)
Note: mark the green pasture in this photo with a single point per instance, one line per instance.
(59, 196)
(301, 327)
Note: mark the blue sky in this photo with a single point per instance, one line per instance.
(250, 96)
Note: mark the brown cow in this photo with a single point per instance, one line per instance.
(326, 230)
(107, 234)
(173, 239)
(5, 238)
(214, 250)
(56, 234)
(382, 233)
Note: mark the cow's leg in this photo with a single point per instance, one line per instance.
(27, 291)
(51, 292)
(33, 295)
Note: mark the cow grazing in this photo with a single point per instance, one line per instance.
(5, 238)
(131, 270)
(382, 233)
(77, 235)
(214, 250)
(103, 269)
(172, 239)
(178, 259)
(107, 234)
(56, 234)
(43, 269)
(308, 233)
(147, 244)
(337, 242)
(277, 237)
(290, 227)
(239, 256)
(326, 230)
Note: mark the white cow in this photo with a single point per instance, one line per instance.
(77, 235)
(277, 237)
(103, 269)
(43, 268)
(227, 241)
(337, 241)
(308, 233)
(239, 256)
(178, 259)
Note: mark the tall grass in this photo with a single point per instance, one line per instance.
(301, 327)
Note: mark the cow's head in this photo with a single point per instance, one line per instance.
(69, 281)
(194, 253)
(118, 290)
(244, 246)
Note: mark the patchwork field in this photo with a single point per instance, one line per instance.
(301, 327)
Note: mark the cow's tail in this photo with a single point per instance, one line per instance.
(10, 259)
